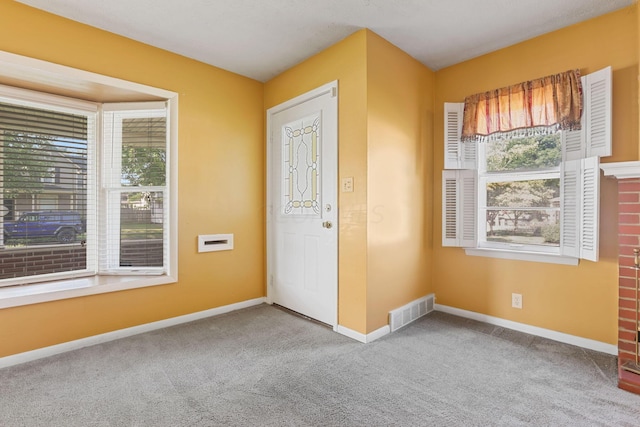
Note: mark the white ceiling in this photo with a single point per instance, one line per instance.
(262, 38)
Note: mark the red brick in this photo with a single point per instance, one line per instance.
(627, 303)
(627, 261)
(625, 265)
(629, 240)
(630, 387)
(627, 336)
(624, 356)
(627, 250)
(627, 282)
(626, 314)
(628, 198)
(13, 270)
(627, 346)
(626, 293)
(627, 272)
(627, 324)
(629, 219)
(633, 230)
(629, 208)
(627, 185)
(628, 381)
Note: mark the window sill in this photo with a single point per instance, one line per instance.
(14, 296)
(522, 256)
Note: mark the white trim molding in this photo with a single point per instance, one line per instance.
(532, 330)
(621, 170)
(521, 256)
(40, 353)
(363, 338)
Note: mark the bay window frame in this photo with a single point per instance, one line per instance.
(63, 83)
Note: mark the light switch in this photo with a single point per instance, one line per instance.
(347, 184)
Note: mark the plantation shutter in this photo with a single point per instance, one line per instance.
(133, 233)
(452, 131)
(459, 208)
(570, 209)
(44, 174)
(597, 93)
(590, 210)
(457, 155)
(573, 143)
(450, 201)
(580, 208)
(581, 175)
(594, 139)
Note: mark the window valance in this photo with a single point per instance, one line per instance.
(535, 107)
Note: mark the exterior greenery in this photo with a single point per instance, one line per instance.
(523, 210)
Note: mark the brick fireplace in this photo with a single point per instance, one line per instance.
(628, 175)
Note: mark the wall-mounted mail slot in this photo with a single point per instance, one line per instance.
(215, 242)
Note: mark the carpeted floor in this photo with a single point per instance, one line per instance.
(265, 367)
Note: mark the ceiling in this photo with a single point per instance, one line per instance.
(260, 39)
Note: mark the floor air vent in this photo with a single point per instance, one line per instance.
(414, 310)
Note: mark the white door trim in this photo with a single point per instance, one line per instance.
(332, 88)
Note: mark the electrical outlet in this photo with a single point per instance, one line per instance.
(516, 300)
(347, 184)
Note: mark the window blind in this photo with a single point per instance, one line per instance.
(44, 177)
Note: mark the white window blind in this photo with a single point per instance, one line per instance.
(45, 180)
(134, 196)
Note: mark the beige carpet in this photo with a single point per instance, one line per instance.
(265, 367)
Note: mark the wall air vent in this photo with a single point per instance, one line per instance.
(215, 242)
(408, 313)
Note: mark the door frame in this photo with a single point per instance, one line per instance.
(331, 88)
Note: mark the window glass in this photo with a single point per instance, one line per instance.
(135, 197)
(141, 229)
(519, 154)
(63, 219)
(520, 188)
(144, 148)
(524, 212)
(43, 170)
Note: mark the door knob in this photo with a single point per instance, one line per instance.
(327, 224)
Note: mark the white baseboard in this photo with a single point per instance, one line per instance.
(532, 330)
(40, 353)
(363, 338)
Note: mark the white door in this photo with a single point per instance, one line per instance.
(302, 213)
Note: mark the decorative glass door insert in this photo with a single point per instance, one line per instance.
(301, 141)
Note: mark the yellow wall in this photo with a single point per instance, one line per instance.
(390, 114)
(400, 93)
(385, 126)
(221, 176)
(345, 62)
(580, 300)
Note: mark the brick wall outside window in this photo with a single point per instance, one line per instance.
(60, 258)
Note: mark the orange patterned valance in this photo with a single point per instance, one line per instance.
(539, 106)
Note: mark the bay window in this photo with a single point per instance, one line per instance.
(104, 210)
(88, 184)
